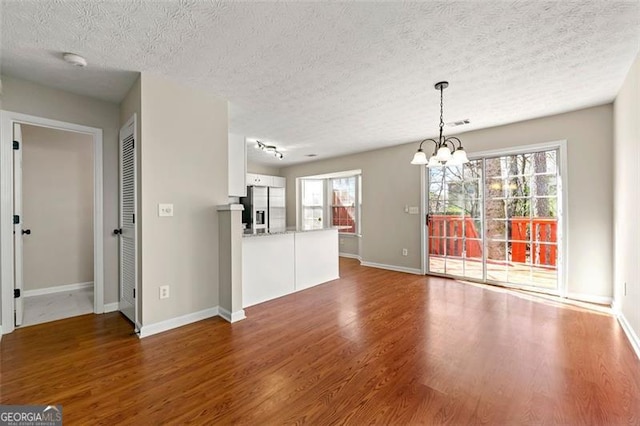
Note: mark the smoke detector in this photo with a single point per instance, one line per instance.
(75, 60)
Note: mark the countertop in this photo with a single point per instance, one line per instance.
(287, 230)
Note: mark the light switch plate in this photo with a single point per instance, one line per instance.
(165, 210)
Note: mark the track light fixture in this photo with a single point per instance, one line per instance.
(271, 149)
(445, 152)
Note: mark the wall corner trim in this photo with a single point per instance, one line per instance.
(58, 289)
(159, 327)
(231, 317)
(404, 269)
(111, 307)
(634, 340)
(600, 300)
(350, 256)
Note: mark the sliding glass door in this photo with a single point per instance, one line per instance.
(455, 220)
(496, 220)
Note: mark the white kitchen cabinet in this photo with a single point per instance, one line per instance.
(265, 180)
(279, 182)
(255, 180)
(237, 162)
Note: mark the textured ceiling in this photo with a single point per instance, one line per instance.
(335, 78)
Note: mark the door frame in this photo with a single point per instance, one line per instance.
(7, 118)
(563, 217)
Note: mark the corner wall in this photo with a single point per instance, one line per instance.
(627, 201)
(183, 161)
(389, 183)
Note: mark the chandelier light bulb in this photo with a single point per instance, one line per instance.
(419, 158)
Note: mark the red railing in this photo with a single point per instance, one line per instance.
(342, 213)
(446, 234)
(544, 240)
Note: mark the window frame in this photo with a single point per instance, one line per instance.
(327, 206)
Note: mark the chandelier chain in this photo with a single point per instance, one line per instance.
(441, 113)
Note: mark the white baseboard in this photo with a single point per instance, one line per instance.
(350, 256)
(57, 289)
(110, 307)
(392, 267)
(231, 317)
(159, 327)
(601, 300)
(628, 330)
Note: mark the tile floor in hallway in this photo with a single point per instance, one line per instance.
(55, 306)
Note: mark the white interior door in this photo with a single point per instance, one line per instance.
(128, 228)
(17, 222)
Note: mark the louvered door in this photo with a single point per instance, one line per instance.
(127, 231)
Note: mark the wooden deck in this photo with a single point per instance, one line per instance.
(514, 273)
(372, 347)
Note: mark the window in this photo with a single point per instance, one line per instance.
(312, 203)
(331, 199)
(343, 203)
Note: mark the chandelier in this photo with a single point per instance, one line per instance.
(445, 152)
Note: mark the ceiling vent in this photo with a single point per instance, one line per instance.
(458, 123)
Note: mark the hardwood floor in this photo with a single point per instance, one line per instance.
(373, 347)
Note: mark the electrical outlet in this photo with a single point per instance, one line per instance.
(164, 292)
(405, 252)
(414, 210)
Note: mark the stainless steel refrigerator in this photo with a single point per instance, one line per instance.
(256, 207)
(277, 208)
(264, 208)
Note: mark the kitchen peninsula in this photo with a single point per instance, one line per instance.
(277, 262)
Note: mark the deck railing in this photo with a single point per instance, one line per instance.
(447, 234)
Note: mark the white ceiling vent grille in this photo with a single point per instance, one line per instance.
(458, 123)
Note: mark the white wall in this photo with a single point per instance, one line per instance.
(261, 169)
(183, 160)
(389, 183)
(41, 101)
(57, 206)
(349, 244)
(627, 197)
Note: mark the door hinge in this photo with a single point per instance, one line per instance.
(16, 293)
(133, 218)
(16, 145)
(16, 219)
(134, 293)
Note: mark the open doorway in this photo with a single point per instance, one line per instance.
(57, 223)
(19, 228)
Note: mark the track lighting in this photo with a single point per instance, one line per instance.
(270, 149)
